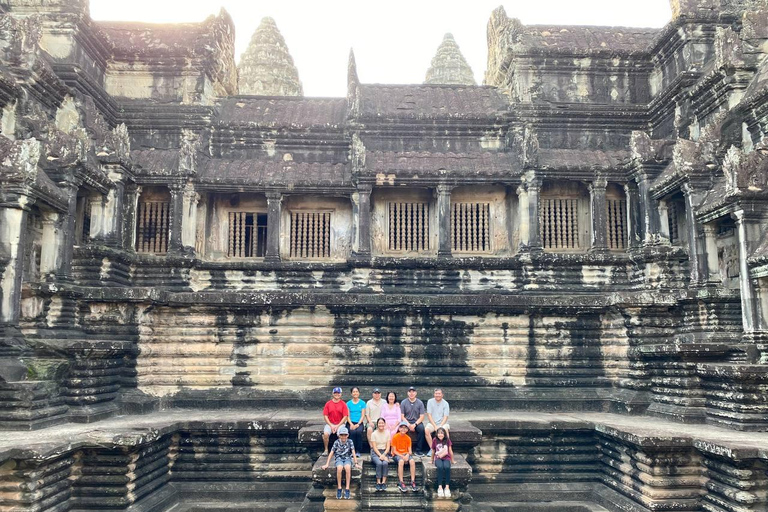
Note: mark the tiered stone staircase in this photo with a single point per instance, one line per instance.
(392, 498)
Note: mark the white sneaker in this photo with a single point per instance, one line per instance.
(447, 492)
(440, 493)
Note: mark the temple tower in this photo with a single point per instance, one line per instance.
(449, 67)
(266, 67)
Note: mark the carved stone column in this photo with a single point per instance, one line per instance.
(599, 212)
(748, 308)
(114, 211)
(663, 212)
(534, 226)
(443, 221)
(13, 234)
(67, 247)
(274, 211)
(633, 223)
(177, 214)
(50, 245)
(710, 243)
(696, 254)
(189, 219)
(523, 220)
(364, 222)
(651, 224)
(132, 193)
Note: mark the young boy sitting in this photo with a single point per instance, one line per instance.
(344, 450)
(401, 451)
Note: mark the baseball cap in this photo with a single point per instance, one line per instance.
(403, 424)
(343, 431)
(411, 388)
(337, 390)
(376, 390)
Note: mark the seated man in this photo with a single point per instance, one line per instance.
(401, 452)
(335, 414)
(412, 410)
(437, 416)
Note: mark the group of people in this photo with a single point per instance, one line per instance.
(388, 426)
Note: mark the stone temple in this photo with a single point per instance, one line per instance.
(192, 254)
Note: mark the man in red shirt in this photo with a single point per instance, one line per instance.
(335, 413)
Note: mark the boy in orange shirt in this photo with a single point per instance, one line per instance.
(401, 451)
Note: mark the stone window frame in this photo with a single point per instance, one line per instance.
(151, 196)
(423, 235)
(617, 221)
(328, 244)
(577, 196)
(255, 213)
(488, 236)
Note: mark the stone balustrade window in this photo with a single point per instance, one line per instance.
(152, 227)
(33, 252)
(311, 235)
(408, 227)
(617, 224)
(247, 235)
(559, 220)
(470, 227)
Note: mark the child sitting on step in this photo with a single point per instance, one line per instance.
(344, 451)
(442, 457)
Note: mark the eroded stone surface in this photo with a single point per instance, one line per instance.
(266, 67)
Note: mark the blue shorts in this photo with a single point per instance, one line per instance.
(398, 458)
(343, 461)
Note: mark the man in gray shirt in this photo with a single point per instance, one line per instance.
(438, 411)
(412, 410)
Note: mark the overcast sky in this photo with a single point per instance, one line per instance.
(394, 40)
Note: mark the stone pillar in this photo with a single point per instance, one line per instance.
(534, 227)
(522, 216)
(710, 243)
(748, 309)
(696, 254)
(274, 211)
(364, 222)
(633, 224)
(98, 219)
(13, 234)
(177, 214)
(651, 225)
(663, 211)
(67, 247)
(50, 244)
(131, 201)
(189, 219)
(114, 211)
(599, 213)
(443, 221)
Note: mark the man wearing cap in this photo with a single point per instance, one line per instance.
(335, 413)
(413, 411)
(344, 452)
(373, 412)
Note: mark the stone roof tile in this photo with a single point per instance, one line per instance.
(431, 101)
(283, 112)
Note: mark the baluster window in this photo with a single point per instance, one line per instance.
(617, 224)
(152, 227)
(408, 227)
(311, 235)
(470, 227)
(247, 235)
(559, 219)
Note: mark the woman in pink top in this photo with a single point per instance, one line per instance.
(390, 411)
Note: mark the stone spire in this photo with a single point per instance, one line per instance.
(449, 66)
(266, 68)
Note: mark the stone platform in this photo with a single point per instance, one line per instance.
(263, 460)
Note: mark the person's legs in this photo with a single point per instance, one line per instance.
(428, 436)
(356, 436)
(447, 473)
(413, 469)
(440, 472)
(384, 470)
(377, 464)
(400, 464)
(348, 470)
(326, 437)
(420, 441)
(339, 469)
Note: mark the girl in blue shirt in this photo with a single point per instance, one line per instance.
(356, 424)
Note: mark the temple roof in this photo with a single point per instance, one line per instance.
(431, 101)
(283, 111)
(424, 162)
(156, 39)
(582, 159)
(271, 173)
(587, 38)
